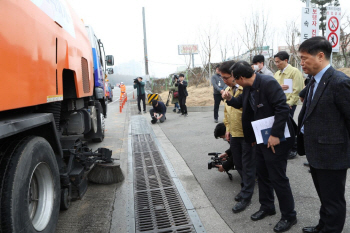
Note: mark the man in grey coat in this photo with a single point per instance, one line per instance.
(324, 132)
(259, 65)
(219, 87)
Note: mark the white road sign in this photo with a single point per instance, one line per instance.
(309, 23)
(333, 26)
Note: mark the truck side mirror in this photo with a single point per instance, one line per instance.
(110, 60)
(110, 70)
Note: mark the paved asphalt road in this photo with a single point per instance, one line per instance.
(103, 208)
(95, 212)
(193, 138)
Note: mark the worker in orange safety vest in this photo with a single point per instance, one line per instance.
(122, 89)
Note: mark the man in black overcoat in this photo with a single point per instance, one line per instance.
(263, 97)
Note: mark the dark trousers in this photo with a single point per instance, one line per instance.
(330, 187)
(217, 100)
(295, 146)
(244, 160)
(182, 102)
(162, 119)
(292, 110)
(139, 98)
(271, 171)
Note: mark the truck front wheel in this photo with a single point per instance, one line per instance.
(30, 194)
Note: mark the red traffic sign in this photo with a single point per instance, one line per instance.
(333, 23)
(333, 39)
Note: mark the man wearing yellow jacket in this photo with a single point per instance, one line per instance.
(288, 72)
(242, 152)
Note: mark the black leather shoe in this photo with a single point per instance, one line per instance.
(240, 206)
(284, 225)
(315, 229)
(238, 197)
(292, 154)
(262, 214)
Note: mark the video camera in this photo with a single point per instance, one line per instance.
(216, 160)
(136, 80)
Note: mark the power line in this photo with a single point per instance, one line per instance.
(166, 63)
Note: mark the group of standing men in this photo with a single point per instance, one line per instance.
(323, 132)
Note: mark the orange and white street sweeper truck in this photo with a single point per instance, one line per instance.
(52, 95)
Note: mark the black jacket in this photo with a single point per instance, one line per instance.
(327, 123)
(182, 88)
(270, 101)
(160, 108)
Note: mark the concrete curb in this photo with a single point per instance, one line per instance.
(210, 218)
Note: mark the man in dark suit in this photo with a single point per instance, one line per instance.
(324, 131)
(263, 97)
(182, 85)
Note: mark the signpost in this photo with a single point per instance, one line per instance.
(333, 27)
(189, 49)
(309, 23)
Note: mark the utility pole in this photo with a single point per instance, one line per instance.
(192, 55)
(145, 41)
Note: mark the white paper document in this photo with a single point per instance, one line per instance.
(288, 82)
(265, 124)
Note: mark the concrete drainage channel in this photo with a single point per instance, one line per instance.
(157, 200)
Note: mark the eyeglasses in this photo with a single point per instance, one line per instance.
(226, 78)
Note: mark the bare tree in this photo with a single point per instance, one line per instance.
(291, 35)
(236, 46)
(255, 32)
(209, 40)
(224, 47)
(345, 40)
(203, 72)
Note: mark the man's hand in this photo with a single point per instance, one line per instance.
(285, 87)
(253, 144)
(221, 91)
(227, 136)
(226, 95)
(301, 99)
(223, 156)
(221, 168)
(290, 106)
(273, 141)
(155, 114)
(160, 116)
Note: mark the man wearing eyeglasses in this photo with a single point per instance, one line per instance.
(263, 97)
(286, 73)
(242, 151)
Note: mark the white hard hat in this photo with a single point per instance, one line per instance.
(121, 83)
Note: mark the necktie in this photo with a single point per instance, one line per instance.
(234, 90)
(252, 100)
(309, 97)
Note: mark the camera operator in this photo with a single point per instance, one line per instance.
(175, 94)
(140, 86)
(220, 132)
(182, 85)
(158, 112)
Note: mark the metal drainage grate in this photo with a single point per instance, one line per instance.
(161, 209)
(158, 205)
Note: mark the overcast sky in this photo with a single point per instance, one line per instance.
(170, 23)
